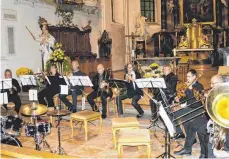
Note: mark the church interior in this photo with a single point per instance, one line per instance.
(114, 78)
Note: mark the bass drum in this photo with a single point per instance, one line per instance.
(9, 140)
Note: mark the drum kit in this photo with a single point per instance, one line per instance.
(38, 129)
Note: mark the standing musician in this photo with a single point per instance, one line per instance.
(13, 92)
(217, 79)
(192, 126)
(171, 84)
(100, 90)
(45, 96)
(132, 91)
(74, 90)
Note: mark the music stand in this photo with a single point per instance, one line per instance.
(81, 81)
(170, 131)
(5, 84)
(153, 83)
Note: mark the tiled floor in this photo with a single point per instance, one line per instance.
(100, 146)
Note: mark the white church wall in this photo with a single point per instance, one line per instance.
(27, 52)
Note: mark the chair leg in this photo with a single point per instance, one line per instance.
(100, 125)
(119, 151)
(148, 151)
(86, 129)
(108, 108)
(51, 120)
(71, 125)
(114, 139)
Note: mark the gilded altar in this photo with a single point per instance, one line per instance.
(194, 37)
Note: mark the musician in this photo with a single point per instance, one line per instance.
(45, 96)
(132, 91)
(217, 79)
(99, 90)
(171, 84)
(74, 90)
(13, 92)
(192, 126)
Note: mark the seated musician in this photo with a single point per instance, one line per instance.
(217, 79)
(100, 89)
(132, 91)
(45, 96)
(171, 84)
(74, 90)
(13, 92)
(193, 120)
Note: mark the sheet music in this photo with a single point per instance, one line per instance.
(86, 81)
(150, 83)
(80, 81)
(64, 89)
(3, 98)
(167, 121)
(33, 95)
(28, 80)
(7, 83)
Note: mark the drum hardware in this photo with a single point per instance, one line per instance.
(59, 114)
(35, 110)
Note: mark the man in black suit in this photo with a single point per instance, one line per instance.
(100, 89)
(170, 90)
(74, 90)
(13, 92)
(192, 126)
(132, 91)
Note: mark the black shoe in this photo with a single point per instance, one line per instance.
(202, 156)
(179, 136)
(104, 116)
(139, 115)
(73, 111)
(182, 152)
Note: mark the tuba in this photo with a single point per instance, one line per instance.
(217, 107)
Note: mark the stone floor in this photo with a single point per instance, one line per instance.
(100, 146)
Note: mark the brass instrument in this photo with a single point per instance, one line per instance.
(217, 107)
(181, 91)
(139, 69)
(104, 85)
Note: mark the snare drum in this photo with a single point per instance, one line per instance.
(12, 125)
(42, 127)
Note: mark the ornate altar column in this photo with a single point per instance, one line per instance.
(176, 12)
(218, 14)
(163, 15)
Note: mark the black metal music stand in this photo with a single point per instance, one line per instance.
(5, 84)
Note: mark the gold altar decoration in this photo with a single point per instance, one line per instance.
(194, 38)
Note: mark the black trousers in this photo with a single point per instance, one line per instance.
(103, 95)
(199, 126)
(74, 94)
(47, 93)
(16, 100)
(135, 99)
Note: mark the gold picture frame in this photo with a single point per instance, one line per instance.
(186, 18)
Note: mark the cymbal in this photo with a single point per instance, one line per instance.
(27, 110)
(58, 113)
(3, 111)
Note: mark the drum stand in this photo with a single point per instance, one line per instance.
(59, 150)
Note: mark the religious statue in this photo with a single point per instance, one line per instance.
(45, 39)
(87, 27)
(140, 28)
(183, 42)
(203, 41)
(105, 44)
